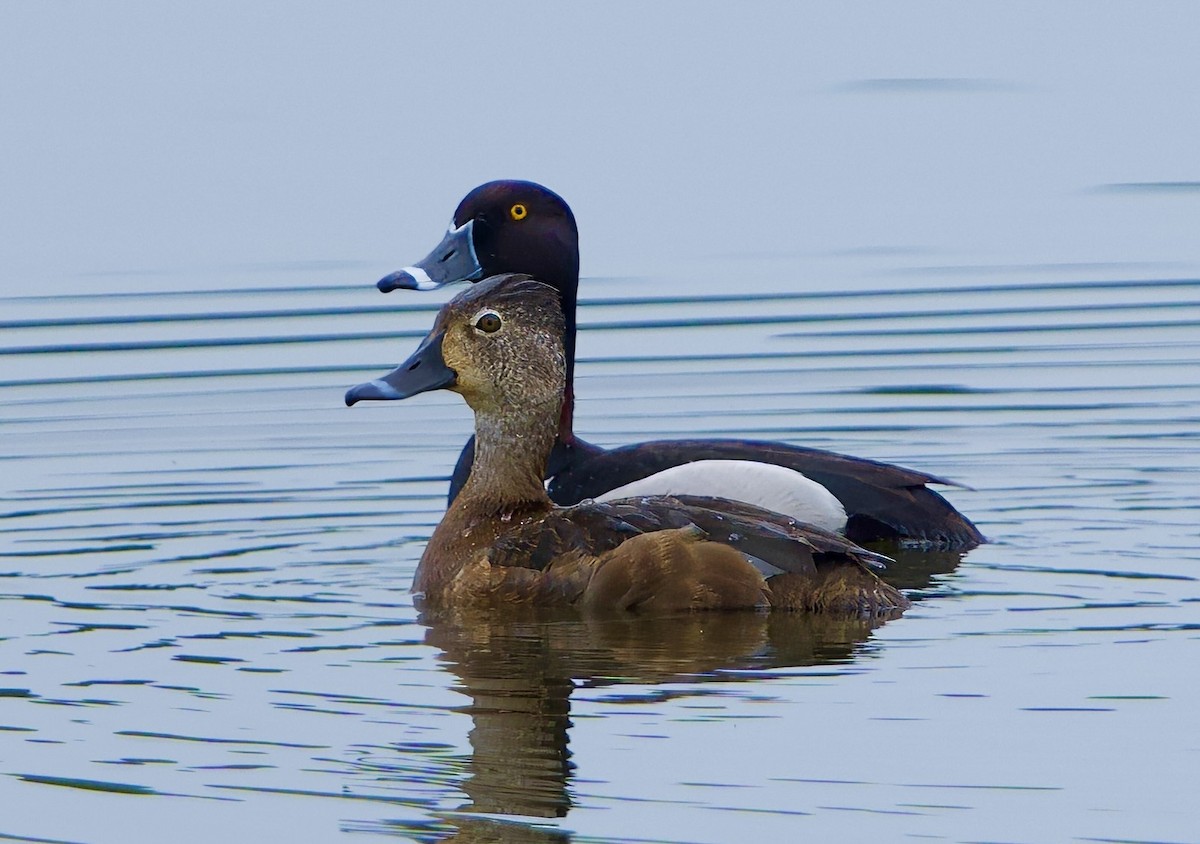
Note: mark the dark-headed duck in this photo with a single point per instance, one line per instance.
(522, 227)
(499, 345)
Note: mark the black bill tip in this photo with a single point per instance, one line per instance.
(377, 390)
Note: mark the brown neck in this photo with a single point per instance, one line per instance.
(511, 449)
(504, 487)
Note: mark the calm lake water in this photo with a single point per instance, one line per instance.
(205, 557)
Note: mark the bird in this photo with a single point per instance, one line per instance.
(500, 344)
(515, 226)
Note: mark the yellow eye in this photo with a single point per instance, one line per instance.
(518, 212)
(488, 322)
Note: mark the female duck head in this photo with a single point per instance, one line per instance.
(502, 227)
(498, 344)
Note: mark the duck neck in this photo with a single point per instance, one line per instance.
(511, 449)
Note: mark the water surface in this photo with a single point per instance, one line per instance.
(937, 238)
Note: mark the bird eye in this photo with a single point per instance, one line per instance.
(488, 322)
(518, 212)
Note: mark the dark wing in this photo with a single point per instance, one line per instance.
(739, 523)
(778, 543)
(588, 529)
(881, 500)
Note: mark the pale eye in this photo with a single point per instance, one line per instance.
(488, 322)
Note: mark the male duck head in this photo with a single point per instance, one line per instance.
(498, 344)
(505, 226)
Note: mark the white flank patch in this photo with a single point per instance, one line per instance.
(765, 485)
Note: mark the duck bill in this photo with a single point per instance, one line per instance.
(452, 260)
(425, 370)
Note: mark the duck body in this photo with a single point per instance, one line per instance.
(515, 226)
(878, 501)
(503, 541)
(889, 502)
(648, 554)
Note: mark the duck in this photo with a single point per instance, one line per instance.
(516, 226)
(500, 344)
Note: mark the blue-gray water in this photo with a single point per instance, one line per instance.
(961, 238)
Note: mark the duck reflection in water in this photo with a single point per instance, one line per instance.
(520, 665)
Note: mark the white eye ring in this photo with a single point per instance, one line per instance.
(487, 321)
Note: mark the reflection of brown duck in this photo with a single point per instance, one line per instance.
(519, 665)
(503, 541)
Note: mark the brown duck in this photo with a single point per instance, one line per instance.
(503, 541)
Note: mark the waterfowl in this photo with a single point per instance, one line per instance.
(500, 345)
(522, 227)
